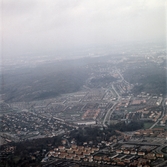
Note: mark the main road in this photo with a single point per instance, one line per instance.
(111, 110)
(108, 114)
(162, 115)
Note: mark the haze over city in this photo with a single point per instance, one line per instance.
(39, 27)
(83, 83)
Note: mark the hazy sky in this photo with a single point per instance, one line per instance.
(41, 26)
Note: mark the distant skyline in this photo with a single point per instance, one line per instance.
(31, 27)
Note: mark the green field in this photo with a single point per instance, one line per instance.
(147, 125)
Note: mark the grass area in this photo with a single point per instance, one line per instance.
(147, 125)
(130, 110)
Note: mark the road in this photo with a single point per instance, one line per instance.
(162, 115)
(163, 164)
(116, 92)
(159, 149)
(122, 78)
(111, 110)
(108, 114)
(141, 143)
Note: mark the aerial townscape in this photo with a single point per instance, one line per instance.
(101, 110)
(83, 83)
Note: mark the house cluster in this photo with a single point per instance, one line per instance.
(156, 132)
(124, 155)
(76, 153)
(28, 125)
(135, 157)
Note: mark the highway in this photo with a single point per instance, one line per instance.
(108, 114)
(111, 110)
(116, 92)
(162, 115)
(122, 77)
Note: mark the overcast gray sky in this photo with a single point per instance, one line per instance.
(41, 26)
